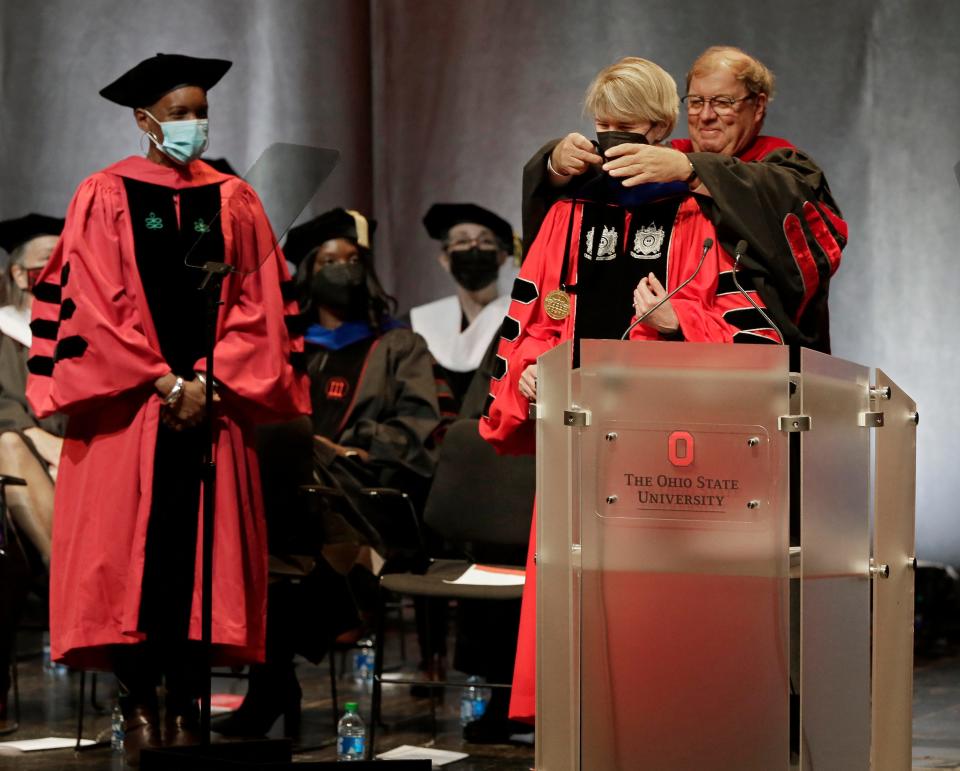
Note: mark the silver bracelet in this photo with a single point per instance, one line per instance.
(553, 170)
(175, 392)
(203, 380)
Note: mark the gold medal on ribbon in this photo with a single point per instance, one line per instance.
(557, 304)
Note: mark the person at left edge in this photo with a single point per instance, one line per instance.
(29, 448)
(121, 353)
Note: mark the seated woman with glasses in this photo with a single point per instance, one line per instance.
(459, 329)
(757, 188)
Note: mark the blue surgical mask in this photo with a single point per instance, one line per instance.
(183, 140)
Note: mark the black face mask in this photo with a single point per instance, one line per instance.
(474, 268)
(341, 287)
(608, 139)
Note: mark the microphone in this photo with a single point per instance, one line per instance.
(739, 252)
(707, 244)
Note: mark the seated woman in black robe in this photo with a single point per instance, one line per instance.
(29, 447)
(374, 421)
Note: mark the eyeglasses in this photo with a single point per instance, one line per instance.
(722, 105)
(462, 244)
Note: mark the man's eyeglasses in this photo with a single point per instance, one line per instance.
(462, 244)
(722, 105)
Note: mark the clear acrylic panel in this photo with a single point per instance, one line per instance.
(684, 534)
(558, 700)
(285, 177)
(835, 566)
(895, 491)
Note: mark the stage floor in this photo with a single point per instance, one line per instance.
(49, 708)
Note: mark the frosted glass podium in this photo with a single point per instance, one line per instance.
(715, 523)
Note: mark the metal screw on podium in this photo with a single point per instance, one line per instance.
(753, 504)
(611, 436)
(612, 499)
(753, 441)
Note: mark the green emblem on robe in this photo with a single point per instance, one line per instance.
(201, 227)
(153, 222)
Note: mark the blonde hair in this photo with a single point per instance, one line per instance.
(751, 72)
(634, 90)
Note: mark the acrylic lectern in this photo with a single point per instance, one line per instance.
(725, 558)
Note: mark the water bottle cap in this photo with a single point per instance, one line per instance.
(351, 706)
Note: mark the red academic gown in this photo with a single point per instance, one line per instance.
(773, 196)
(702, 307)
(96, 360)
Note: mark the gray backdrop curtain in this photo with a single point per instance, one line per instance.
(436, 100)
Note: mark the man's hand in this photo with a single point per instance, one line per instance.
(528, 383)
(571, 157)
(647, 294)
(47, 444)
(637, 164)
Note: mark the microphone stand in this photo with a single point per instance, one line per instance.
(275, 752)
(211, 286)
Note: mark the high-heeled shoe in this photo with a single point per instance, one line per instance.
(432, 672)
(269, 696)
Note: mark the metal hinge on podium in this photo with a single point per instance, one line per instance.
(576, 417)
(791, 424)
(873, 418)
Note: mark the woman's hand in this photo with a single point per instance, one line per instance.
(528, 383)
(342, 451)
(648, 293)
(189, 408)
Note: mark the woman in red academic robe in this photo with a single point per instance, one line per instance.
(118, 347)
(610, 254)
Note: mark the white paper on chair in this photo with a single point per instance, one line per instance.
(488, 575)
(436, 757)
(35, 745)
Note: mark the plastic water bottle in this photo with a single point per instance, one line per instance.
(351, 735)
(363, 662)
(48, 664)
(473, 700)
(117, 733)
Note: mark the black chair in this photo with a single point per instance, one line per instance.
(295, 513)
(477, 498)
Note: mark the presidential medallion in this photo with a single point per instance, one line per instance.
(557, 304)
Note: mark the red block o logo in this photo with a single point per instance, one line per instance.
(680, 448)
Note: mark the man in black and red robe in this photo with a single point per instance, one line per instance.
(756, 188)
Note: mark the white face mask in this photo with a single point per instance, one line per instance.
(183, 140)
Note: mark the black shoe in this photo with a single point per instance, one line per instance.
(181, 725)
(269, 696)
(141, 728)
(495, 730)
